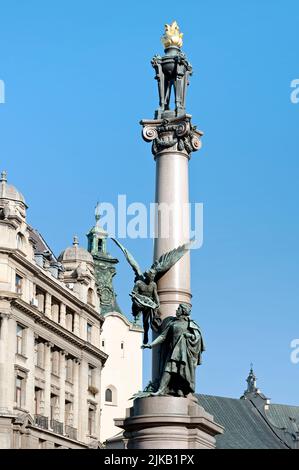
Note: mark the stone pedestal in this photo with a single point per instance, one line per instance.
(168, 423)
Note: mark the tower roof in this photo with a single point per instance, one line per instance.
(97, 229)
(8, 191)
(75, 253)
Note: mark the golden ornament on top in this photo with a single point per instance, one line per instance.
(172, 36)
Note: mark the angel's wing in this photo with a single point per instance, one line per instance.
(129, 257)
(166, 261)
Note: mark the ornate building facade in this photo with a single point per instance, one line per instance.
(51, 348)
(121, 339)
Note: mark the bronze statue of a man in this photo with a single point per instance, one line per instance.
(181, 348)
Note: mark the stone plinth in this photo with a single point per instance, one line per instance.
(168, 423)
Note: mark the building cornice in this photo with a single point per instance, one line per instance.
(63, 291)
(59, 330)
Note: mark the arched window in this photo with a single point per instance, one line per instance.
(90, 297)
(108, 395)
(111, 395)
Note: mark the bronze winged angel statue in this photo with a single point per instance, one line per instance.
(145, 299)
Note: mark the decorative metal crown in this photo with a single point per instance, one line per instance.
(172, 36)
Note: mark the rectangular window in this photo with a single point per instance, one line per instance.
(54, 407)
(40, 295)
(68, 417)
(88, 331)
(55, 310)
(91, 376)
(20, 391)
(20, 339)
(91, 420)
(37, 400)
(19, 284)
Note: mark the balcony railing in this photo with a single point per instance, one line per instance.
(41, 421)
(56, 426)
(71, 432)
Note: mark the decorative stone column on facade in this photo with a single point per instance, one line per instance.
(48, 300)
(62, 377)
(76, 393)
(98, 399)
(62, 315)
(83, 411)
(11, 359)
(76, 324)
(4, 364)
(30, 365)
(47, 392)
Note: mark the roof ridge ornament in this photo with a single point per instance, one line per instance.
(251, 381)
(75, 240)
(3, 176)
(97, 212)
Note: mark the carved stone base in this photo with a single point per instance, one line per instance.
(168, 423)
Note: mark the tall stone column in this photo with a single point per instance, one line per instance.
(173, 140)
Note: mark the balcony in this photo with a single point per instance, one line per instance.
(41, 421)
(71, 432)
(56, 426)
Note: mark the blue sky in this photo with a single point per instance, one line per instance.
(78, 80)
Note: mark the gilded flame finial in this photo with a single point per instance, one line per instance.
(172, 36)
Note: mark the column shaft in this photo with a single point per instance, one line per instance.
(173, 228)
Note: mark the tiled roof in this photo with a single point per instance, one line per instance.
(40, 245)
(246, 427)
